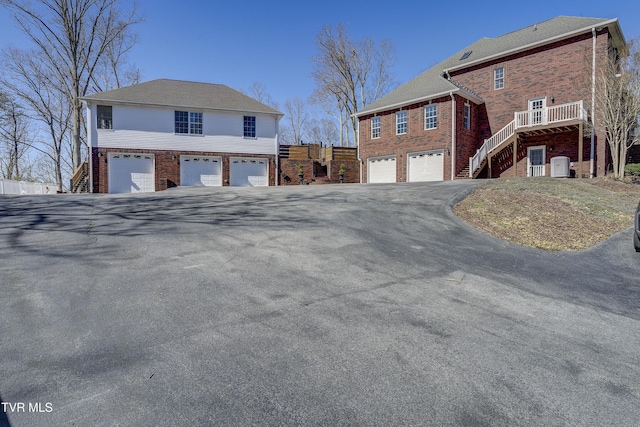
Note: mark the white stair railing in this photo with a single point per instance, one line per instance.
(529, 118)
(489, 145)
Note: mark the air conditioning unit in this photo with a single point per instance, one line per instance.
(560, 167)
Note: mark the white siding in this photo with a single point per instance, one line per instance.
(152, 128)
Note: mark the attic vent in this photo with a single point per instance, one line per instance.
(465, 55)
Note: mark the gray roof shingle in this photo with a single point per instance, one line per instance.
(431, 83)
(184, 94)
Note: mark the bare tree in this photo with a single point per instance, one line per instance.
(73, 37)
(617, 103)
(258, 91)
(296, 117)
(15, 136)
(30, 78)
(113, 69)
(351, 74)
(333, 107)
(323, 131)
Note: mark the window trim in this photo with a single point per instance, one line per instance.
(249, 129)
(190, 124)
(375, 131)
(431, 121)
(100, 118)
(498, 82)
(401, 124)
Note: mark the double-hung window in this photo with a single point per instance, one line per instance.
(401, 122)
(467, 116)
(430, 116)
(375, 127)
(249, 126)
(187, 122)
(498, 78)
(105, 117)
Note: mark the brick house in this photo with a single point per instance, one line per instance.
(517, 103)
(165, 133)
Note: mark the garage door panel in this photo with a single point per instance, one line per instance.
(382, 170)
(200, 171)
(131, 173)
(248, 172)
(426, 166)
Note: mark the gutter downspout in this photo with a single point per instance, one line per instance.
(593, 103)
(453, 135)
(357, 142)
(90, 144)
(277, 174)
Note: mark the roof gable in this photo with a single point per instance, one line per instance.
(184, 94)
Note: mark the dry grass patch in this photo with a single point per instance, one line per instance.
(549, 213)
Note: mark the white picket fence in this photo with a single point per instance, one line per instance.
(8, 186)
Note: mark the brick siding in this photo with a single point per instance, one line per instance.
(167, 169)
(416, 139)
(556, 70)
(289, 171)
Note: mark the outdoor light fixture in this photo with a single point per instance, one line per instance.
(173, 157)
(552, 98)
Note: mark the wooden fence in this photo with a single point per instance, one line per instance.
(317, 152)
(339, 153)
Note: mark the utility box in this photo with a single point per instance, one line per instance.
(560, 167)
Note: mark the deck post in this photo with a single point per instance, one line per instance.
(515, 156)
(580, 150)
(490, 175)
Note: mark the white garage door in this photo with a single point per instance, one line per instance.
(200, 170)
(426, 166)
(131, 173)
(248, 172)
(382, 169)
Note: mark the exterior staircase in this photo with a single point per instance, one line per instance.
(464, 173)
(80, 179)
(529, 119)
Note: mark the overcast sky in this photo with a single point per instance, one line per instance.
(237, 43)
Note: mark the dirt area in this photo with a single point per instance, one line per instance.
(551, 213)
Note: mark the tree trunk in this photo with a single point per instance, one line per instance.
(77, 136)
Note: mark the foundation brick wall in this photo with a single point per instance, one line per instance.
(563, 144)
(289, 171)
(351, 171)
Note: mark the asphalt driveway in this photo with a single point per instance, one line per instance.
(317, 305)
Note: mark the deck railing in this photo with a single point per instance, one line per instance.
(530, 118)
(550, 115)
(537, 170)
(489, 145)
